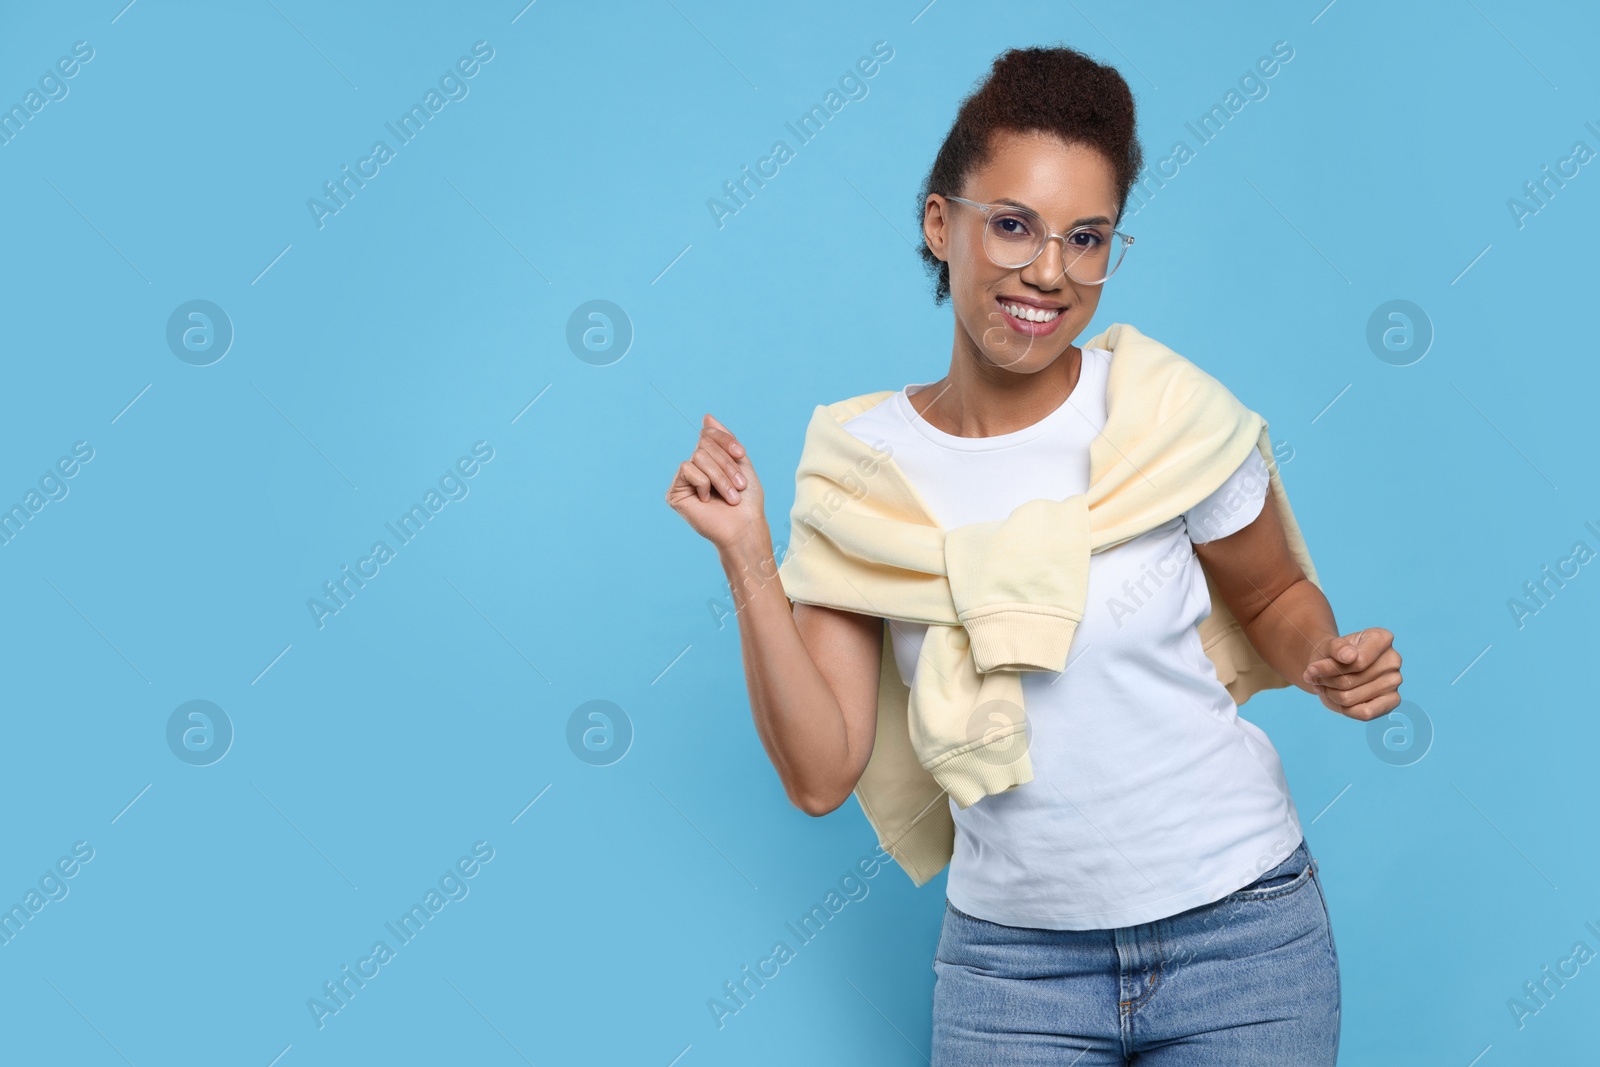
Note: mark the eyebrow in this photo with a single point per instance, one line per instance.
(1089, 221)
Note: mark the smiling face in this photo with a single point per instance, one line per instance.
(1022, 319)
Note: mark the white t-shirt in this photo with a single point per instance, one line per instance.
(1150, 794)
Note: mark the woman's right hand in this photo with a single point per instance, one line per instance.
(716, 489)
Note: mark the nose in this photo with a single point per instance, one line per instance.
(1049, 267)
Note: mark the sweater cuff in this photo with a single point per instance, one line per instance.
(988, 769)
(1020, 637)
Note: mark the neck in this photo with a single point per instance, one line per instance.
(980, 399)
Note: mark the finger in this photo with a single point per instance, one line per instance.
(724, 445)
(1344, 682)
(696, 479)
(734, 447)
(1344, 699)
(725, 475)
(1352, 653)
(1352, 679)
(1321, 669)
(716, 477)
(1366, 646)
(718, 450)
(1366, 712)
(1347, 650)
(1330, 664)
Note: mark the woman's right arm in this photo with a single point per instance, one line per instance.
(812, 672)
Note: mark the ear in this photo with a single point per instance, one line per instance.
(935, 227)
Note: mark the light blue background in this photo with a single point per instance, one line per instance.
(429, 312)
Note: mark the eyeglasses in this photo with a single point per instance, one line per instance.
(1014, 237)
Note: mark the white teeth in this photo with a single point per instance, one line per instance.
(1032, 314)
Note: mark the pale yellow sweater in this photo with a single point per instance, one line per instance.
(1004, 597)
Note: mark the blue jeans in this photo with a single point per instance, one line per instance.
(1250, 979)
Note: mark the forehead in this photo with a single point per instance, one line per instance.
(1056, 179)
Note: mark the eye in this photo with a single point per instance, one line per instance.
(1012, 226)
(1088, 239)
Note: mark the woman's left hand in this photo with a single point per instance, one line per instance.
(1358, 674)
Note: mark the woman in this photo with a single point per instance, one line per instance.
(1132, 885)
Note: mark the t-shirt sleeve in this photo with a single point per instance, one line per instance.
(1233, 506)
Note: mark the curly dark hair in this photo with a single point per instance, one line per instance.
(1060, 91)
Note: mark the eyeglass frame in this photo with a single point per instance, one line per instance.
(1049, 235)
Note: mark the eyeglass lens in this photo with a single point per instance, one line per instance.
(1014, 238)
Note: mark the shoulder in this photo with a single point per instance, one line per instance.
(1160, 377)
(858, 415)
(844, 410)
(1234, 505)
(837, 433)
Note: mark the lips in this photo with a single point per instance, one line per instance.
(1030, 318)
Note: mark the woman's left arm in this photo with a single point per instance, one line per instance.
(1290, 623)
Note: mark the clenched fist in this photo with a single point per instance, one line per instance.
(1360, 675)
(716, 489)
